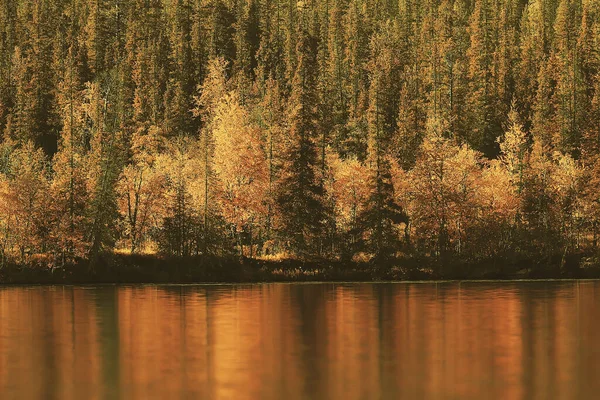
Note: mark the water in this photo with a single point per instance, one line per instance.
(527, 340)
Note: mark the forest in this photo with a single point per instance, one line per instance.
(452, 131)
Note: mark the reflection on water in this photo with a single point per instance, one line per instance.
(534, 340)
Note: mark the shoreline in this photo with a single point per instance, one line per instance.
(144, 269)
(320, 282)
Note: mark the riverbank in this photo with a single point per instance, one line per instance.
(119, 268)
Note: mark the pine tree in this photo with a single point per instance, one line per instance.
(383, 97)
(483, 124)
(212, 91)
(247, 44)
(8, 41)
(69, 191)
(104, 166)
(272, 121)
(269, 57)
(531, 56)
(150, 66)
(381, 212)
(567, 73)
(543, 122)
(504, 62)
(587, 49)
(333, 88)
(300, 193)
(20, 122)
(34, 115)
(292, 26)
(222, 41)
(183, 80)
(356, 37)
(591, 162)
(419, 69)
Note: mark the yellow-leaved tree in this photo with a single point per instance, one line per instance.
(180, 223)
(242, 168)
(141, 188)
(444, 206)
(24, 195)
(350, 191)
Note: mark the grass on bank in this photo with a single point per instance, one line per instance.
(121, 267)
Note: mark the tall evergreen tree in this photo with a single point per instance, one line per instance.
(381, 211)
(105, 162)
(183, 78)
(247, 43)
(569, 95)
(300, 192)
(8, 41)
(531, 56)
(484, 127)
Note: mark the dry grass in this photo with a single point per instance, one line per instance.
(296, 272)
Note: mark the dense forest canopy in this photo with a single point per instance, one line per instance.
(448, 129)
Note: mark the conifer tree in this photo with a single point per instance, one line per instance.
(222, 32)
(183, 78)
(150, 67)
(531, 56)
(591, 162)
(272, 122)
(381, 212)
(69, 191)
(411, 111)
(212, 91)
(484, 128)
(20, 122)
(96, 35)
(568, 93)
(300, 192)
(543, 122)
(269, 57)
(8, 41)
(356, 37)
(34, 115)
(334, 89)
(104, 166)
(247, 43)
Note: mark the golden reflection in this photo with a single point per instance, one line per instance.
(329, 341)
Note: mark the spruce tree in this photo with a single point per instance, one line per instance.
(182, 80)
(8, 41)
(300, 192)
(381, 213)
(531, 56)
(484, 128)
(569, 94)
(105, 162)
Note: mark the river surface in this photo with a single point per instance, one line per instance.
(511, 340)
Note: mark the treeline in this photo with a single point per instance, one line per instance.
(344, 129)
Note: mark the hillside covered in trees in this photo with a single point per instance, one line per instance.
(440, 130)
